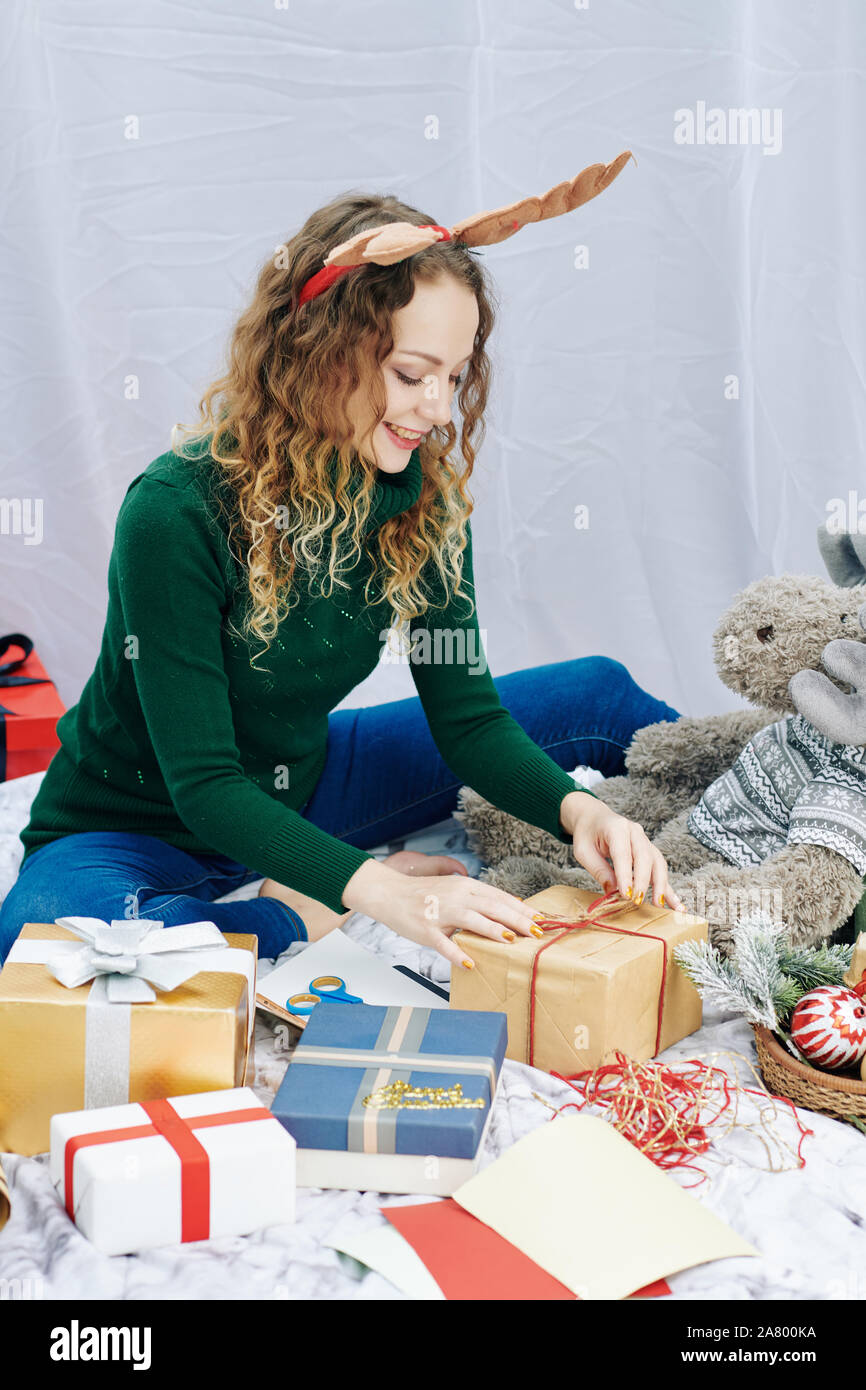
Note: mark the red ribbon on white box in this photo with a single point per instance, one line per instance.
(194, 1160)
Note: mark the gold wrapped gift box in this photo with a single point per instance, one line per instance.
(190, 1039)
(596, 991)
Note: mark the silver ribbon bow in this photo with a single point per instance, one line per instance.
(136, 957)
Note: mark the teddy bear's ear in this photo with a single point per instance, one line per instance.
(838, 715)
(844, 554)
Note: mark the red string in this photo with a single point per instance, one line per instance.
(665, 1111)
(592, 923)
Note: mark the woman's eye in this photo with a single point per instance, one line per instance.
(416, 380)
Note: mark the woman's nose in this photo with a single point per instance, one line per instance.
(437, 410)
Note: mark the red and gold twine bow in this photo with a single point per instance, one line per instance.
(609, 903)
(194, 1160)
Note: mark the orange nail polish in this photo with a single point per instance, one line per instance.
(661, 899)
(628, 891)
(536, 931)
(638, 900)
(508, 936)
(468, 964)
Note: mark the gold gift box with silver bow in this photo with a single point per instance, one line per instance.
(67, 1047)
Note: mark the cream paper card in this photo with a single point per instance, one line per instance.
(580, 1200)
(384, 1250)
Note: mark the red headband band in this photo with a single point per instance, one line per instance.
(324, 278)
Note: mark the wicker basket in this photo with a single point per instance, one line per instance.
(839, 1096)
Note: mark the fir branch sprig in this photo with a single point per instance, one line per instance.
(756, 941)
(765, 976)
(812, 966)
(718, 982)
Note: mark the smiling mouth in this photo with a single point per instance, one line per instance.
(413, 435)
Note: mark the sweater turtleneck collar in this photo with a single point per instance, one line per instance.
(396, 492)
(392, 492)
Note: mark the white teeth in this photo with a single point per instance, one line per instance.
(404, 434)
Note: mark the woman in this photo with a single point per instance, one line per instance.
(256, 573)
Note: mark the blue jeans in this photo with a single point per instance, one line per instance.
(583, 711)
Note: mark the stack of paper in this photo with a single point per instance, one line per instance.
(573, 1210)
(367, 975)
(582, 1202)
(469, 1260)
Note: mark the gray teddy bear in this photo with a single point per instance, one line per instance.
(761, 808)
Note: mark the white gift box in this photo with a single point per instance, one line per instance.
(165, 1171)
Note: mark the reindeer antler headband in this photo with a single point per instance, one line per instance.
(394, 241)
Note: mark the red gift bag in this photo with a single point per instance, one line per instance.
(29, 710)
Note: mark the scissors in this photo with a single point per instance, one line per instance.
(323, 987)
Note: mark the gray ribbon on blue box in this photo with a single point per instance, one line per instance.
(393, 1057)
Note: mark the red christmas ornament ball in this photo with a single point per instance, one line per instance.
(829, 1027)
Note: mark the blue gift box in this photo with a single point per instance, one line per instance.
(349, 1052)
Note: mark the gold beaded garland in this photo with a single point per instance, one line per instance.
(401, 1095)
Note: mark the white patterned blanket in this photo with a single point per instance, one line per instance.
(807, 1224)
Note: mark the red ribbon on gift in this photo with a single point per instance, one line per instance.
(592, 922)
(17, 639)
(194, 1161)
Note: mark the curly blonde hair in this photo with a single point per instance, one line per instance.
(295, 492)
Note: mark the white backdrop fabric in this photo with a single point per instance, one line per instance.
(684, 357)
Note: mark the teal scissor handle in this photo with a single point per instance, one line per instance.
(323, 987)
(332, 987)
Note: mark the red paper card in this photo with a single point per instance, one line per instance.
(469, 1260)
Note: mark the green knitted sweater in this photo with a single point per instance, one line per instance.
(177, 735)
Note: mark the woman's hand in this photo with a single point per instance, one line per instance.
(616, 851)
(428, 908)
